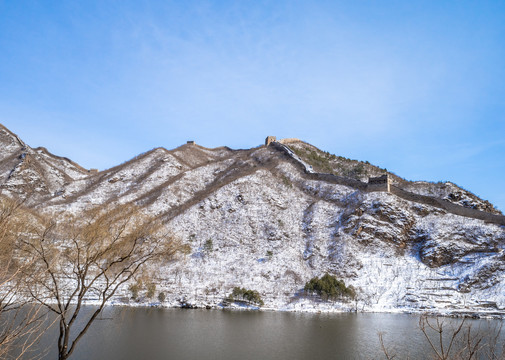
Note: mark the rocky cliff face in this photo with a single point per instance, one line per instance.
(253, 218)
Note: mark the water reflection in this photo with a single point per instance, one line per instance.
(151, 333)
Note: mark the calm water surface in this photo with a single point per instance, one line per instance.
(151, 333)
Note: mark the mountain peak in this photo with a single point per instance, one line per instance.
(281, 214)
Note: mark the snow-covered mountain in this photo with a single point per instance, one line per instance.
(272, 217)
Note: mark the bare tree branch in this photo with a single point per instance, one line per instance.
(21, 323)
(98, 253)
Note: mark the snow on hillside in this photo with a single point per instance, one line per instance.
(302, 238)
(253, 218)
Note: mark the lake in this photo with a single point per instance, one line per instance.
(157, 333)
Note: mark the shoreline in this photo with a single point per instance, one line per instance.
(491, 315)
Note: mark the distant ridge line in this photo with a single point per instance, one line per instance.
(406, 195)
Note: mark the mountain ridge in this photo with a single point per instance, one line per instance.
(487, 206)
(274, 225)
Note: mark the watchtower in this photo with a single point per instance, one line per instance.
(381, 183)
(269, 140)
(190, 142)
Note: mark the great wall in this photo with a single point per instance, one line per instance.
(382, 183)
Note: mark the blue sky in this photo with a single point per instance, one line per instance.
(416, 87)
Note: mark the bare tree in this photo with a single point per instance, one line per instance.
(390, 355)
(434, 332)
(90, 257)
(457, 341)
(21, 323)
(493, 349)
